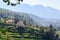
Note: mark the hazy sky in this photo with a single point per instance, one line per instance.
(51, 3)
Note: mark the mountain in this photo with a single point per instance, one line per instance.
(41, 11)
(30, 18)
(45, 22)
(38, 10)
(8, 14)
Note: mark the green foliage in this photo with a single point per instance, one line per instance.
(3, 30)
(29, 33)
(2, 20)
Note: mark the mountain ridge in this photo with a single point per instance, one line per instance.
(34, 19)
(38, 10)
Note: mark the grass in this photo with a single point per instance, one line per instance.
(9, 37)
(58, 32)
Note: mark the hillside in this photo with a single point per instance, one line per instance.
(30, 19)
(8, 14)
(45, 22)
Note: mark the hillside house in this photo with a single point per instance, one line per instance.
(10, 21)
(20, 24)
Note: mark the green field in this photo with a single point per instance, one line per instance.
(58, 32)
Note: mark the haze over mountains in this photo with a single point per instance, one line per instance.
(46, 22)
(41, 11)
(44, 15)
(38, 10)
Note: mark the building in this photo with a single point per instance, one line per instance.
(20, 24)
(10, 21)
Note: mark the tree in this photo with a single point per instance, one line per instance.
(3, 30)
(24, 22)
(41, 34)
(50, 35)
(20, 30)
(13, 4)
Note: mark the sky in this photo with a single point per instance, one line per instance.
(52, 3)
(45, 3)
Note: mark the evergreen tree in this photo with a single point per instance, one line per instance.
(50, 35)
(20, 30)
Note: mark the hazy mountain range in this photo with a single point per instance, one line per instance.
(45, 22)
(37, 10)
